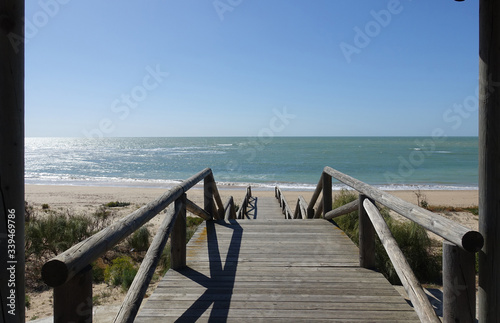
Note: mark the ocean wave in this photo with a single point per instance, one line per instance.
(80, 180)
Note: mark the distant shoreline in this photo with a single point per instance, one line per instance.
(72, 196)
(167, 184)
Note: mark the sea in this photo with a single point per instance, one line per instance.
(293, 163)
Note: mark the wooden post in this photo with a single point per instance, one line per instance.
(208, 197)
(327, 194)
(73, 300)
(314, 198)
(12, 159)
(459, 284)
(178, 242)
(229, 210)
(366, 237)
(489, 160)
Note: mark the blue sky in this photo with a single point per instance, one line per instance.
(251, 67)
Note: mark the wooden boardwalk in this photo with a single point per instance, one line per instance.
(264, 208)
(273, 270)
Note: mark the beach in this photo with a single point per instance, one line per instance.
(87, 199)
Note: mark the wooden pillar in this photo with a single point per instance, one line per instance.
(73, 300)
(489, 160)
(327, 193)
(12, 291)
(208, 197)
(178, 242)
(459, 284)
(366, 237)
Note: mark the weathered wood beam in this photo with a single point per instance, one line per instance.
(458, 234)
(489, 160)
(61, 268)
(300, 208)
(179, 237)
(196, 210)
(314, 198)
(342, 210)
(12, 159)
(229, 209)
(327, 193)
(137, 290)
(366, 236)
(412, 286)
(459, 284)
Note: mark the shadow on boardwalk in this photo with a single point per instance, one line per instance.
(252, 208)
(218, 292)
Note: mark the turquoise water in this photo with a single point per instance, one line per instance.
(292, 162)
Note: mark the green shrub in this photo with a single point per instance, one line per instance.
(349, 222)
(411, 238)
(102, 213)
(117, 204)
(416, 246)
(48, 236)
(139, 240)
(193, 221)
(55, 233)
(45, 207)
(121, 272)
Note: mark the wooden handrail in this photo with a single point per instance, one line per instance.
(229, 209)
(300, 208)
(70, 268)
(447, 229)
(458, 258)
(64, 266)
(314, 198)
(412, 286)
(242, 212)
(137, 290)
(285, 209)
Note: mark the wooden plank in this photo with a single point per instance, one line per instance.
(236, 272)
(222, 314)
(267, 208)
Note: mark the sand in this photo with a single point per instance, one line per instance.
(86, 199)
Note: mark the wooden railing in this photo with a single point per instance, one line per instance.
(243, 211)
(70, 273)
(284, 204)
(459, 248)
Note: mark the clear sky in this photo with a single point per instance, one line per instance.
(251, 67)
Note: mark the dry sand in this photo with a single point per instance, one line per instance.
(86, 199)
